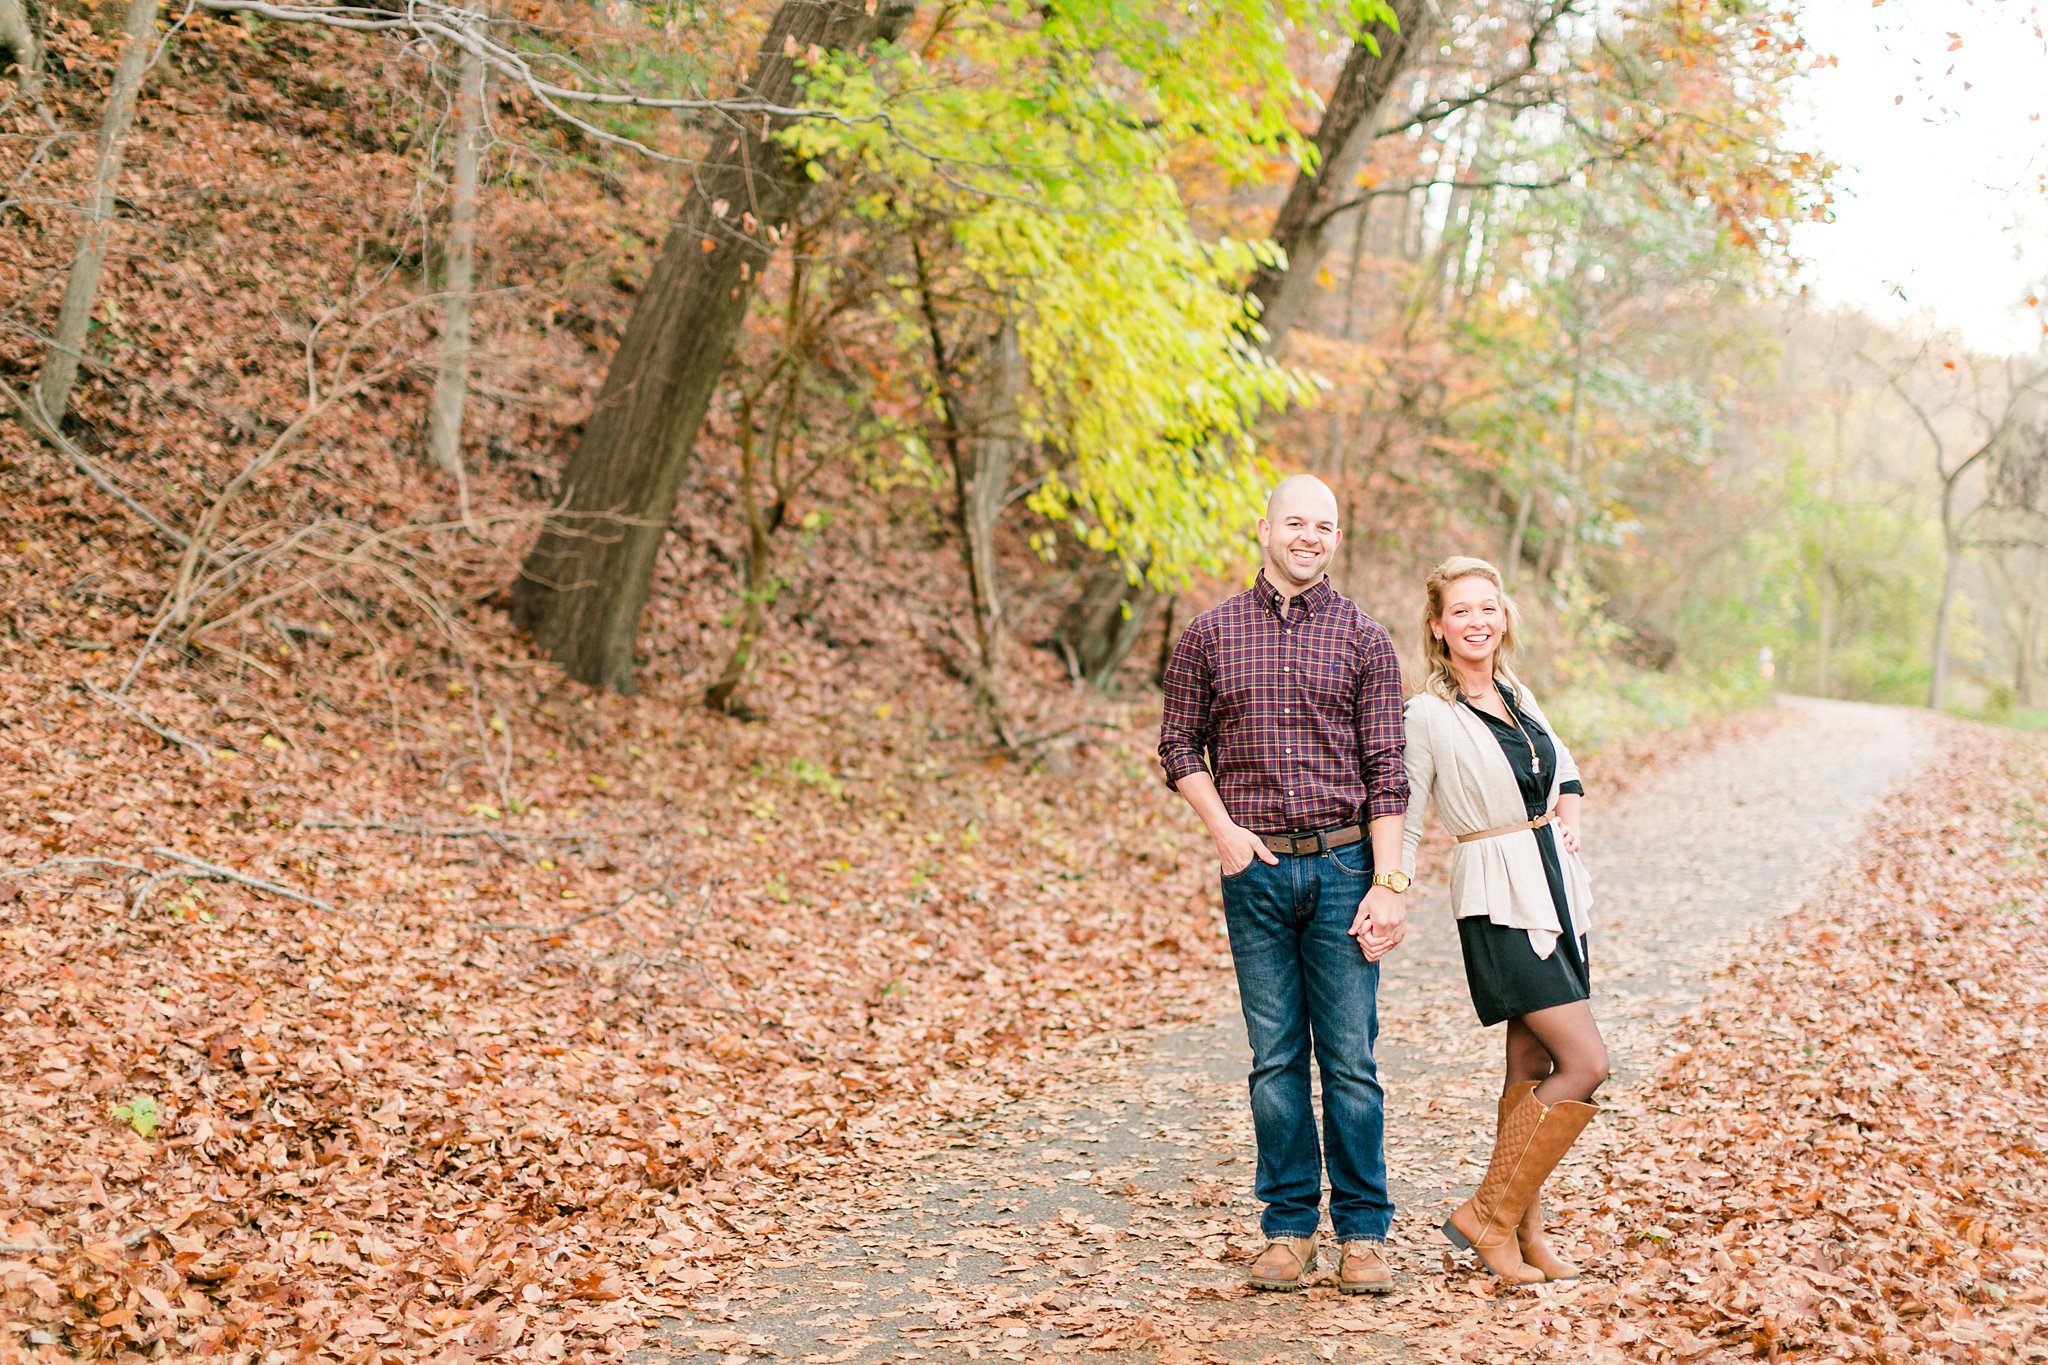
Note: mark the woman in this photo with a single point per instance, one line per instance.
(1480, 749)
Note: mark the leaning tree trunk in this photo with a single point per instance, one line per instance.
(1317, 195)
(60, 364)
(583, 586)
(451, 383)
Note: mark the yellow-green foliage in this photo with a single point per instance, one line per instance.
(1040, 139)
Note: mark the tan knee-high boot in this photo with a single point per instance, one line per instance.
(1534, 1246)
(1531, 1141)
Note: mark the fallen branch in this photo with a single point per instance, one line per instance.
(71, 862)
(469, 831)
(502, 838)
(65, 446)
(228, 874)
(140, 717)
(1035, 741)
(550, 929)
(128, 1243)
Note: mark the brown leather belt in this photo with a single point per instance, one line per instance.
(1538, 823)
(1302, 844)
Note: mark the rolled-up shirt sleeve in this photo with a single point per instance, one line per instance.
(1380, 736)
(1190, 688)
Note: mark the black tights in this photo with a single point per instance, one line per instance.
(1560, 1048)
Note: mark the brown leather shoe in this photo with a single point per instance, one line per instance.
(1284, 1264)
(1364, 1268)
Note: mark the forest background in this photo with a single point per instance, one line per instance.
(514, 511)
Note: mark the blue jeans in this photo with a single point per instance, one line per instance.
(1305, 984)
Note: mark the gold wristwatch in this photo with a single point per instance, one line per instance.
(1395, 881)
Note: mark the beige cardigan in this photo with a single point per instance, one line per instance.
(1455, 762)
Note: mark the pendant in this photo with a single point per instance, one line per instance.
(1535, 761)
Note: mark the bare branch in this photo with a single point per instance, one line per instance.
(228, 874)
(550, 929)
(32, 413)
(463, 29)
(1619, 153)
(1532, 54)
(136, 714)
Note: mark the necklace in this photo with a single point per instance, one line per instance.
(1535, 759)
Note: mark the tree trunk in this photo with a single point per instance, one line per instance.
(1166, 641)
(982, 461)
(1463, 222)
(18, 44)
(451, 384)
(1098, 629)
(757, 587)
(1951, 572)
(1567, 561)
(1336, 457)
(2031, 643)
(1830, 594)
(1347, 129)
(1518, 536)
(583, 586)
(74, 316)
(1824, 630)
(2023, 653)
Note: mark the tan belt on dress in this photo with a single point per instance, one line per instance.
(1538, 823)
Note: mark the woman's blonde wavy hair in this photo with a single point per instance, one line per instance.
(1436, 654)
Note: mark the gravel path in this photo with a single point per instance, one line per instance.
(1073, 1218)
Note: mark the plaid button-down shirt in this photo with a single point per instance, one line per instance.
(1298, 717)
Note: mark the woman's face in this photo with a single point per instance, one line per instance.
(1473, 621)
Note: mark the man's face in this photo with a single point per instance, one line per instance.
(1300, 536)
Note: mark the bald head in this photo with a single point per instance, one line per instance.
(1303, 493)
(1299, 533)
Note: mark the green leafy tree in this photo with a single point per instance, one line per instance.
(1083, 340)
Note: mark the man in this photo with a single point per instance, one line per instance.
(1283, 731)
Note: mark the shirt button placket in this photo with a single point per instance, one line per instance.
(1292, 813)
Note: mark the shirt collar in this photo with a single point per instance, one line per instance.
(1311, 599)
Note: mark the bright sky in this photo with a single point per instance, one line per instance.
(1941, 206)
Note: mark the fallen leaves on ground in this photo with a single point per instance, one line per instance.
(1845, 1161)
(1840, 1161)
(527, 1086)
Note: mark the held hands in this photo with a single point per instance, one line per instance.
(1237, 846)
(1381, 923)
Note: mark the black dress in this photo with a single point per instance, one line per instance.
(1502, 970)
